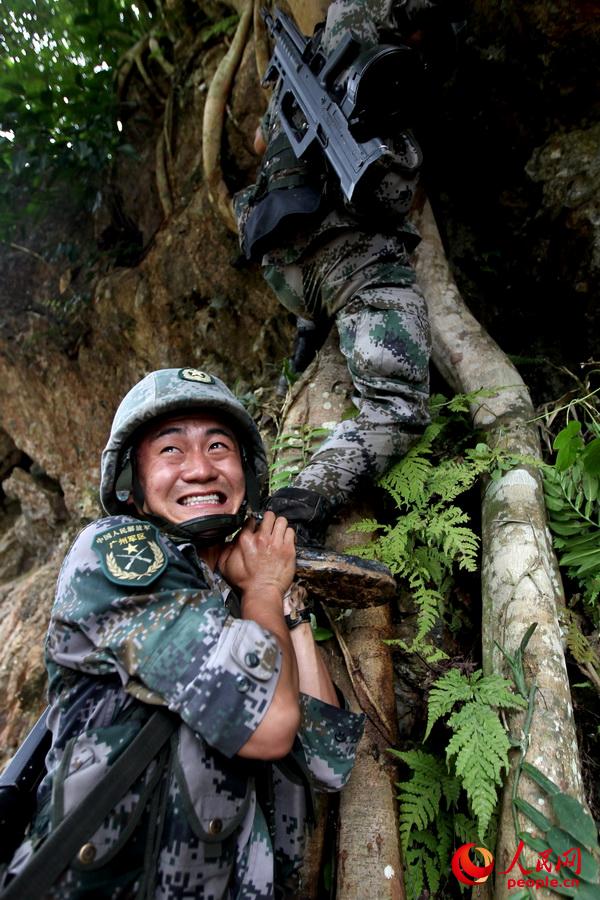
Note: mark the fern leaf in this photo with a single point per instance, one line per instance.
(420, 797)
(414, 872)
(451, 790)
(451, 478)
(406, 480)
(365, 526)
(481, 747)
(445, 836)
(429, 604)
(463, 402)
(465, 829)
(495, 691)
(577, 642)
(448, 690)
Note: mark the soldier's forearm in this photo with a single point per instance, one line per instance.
(314, 678)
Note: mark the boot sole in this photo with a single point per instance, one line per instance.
(341, 580)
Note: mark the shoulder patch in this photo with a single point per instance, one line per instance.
(131, 553)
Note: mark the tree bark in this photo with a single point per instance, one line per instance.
(369, 861)
(214, 115)
(520, 578)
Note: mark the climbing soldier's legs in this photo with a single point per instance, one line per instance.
(384, 335)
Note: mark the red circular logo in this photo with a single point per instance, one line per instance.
(465, 869)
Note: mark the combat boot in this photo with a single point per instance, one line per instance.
(336, 578)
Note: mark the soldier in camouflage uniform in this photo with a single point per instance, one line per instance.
(145, 614)
(329, 262)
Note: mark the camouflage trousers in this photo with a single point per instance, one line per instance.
(381, 318)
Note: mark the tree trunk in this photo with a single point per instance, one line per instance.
(368, 849)
(520, 578)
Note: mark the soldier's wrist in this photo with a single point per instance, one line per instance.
(297, 617)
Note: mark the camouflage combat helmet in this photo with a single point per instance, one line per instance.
(171, 391)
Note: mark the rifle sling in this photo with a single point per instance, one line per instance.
(62, 844)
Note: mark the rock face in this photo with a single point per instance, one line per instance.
(512, 144)
(520, 224)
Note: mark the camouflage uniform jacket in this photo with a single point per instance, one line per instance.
(140, 618)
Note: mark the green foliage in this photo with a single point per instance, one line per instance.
(58, 120)
(431, 536)
(428, 826)
(291, 451)
(572, 490)
(454, 687)
(479, 741)
(319, 633)
(577, 642)
(431, 821)
(573, 829)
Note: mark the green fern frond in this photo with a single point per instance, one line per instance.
(414, 872)
(445, 837)
(425, 829)
(420, 797)
(496, 691)
(430, 604)
(578, 644)
(573, 502)
(433, 873)
(452, 477)
(367, 525)
(447, 691)
(406, 480)
(460, 403)
(465, 829)
(459, 543)
(480, 745)
(425, 650)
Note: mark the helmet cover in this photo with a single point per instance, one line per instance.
(173, 391)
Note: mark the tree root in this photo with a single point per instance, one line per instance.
(520, 577)
(369, 862)
(134, 57)
(214, 116)
(368, 702)
(261, 42)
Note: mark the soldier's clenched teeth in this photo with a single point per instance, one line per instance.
(197, 499)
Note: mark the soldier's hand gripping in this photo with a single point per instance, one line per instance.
(262, 557)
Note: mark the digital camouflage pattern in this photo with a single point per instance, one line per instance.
(169, 391)
(200, 822)
(381, 317)
(356, 271)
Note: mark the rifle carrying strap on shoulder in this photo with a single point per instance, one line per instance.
(83, 821)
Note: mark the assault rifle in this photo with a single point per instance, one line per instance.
(18, 785)
(338, 104)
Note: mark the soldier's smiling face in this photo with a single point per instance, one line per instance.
(190, 466)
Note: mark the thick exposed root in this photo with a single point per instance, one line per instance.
(520, 577)
(214, 117)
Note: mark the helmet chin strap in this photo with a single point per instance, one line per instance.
(203, 531)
